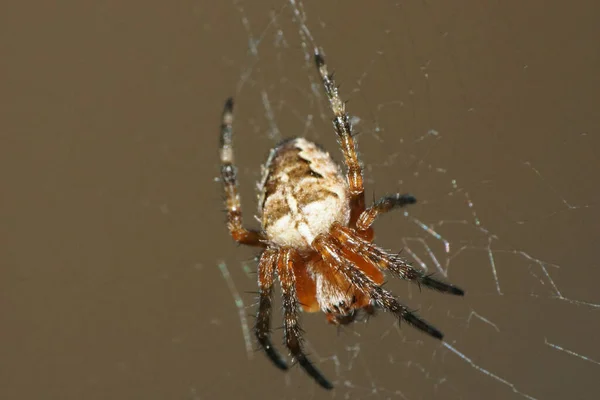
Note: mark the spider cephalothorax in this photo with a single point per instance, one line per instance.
(317, 234)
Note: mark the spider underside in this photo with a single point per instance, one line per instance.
(317, 236)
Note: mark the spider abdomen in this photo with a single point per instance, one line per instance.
(302, 193)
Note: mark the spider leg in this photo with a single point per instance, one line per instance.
(266, 273)
(382, 206)
(394, 263)
(228, 176)
(382, 298)
(292, 330)
(343, 129)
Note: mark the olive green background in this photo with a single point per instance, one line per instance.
(111, 223)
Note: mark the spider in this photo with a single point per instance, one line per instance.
(316, 236)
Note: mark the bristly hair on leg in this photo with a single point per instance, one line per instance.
(331, 253)
(397, 265)
(404, 270)
(262, 327)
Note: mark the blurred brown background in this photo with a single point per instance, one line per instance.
(110, 211)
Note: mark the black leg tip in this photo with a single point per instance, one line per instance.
(229, 104)
(457, 291)
(436, 334)
(440, 286)
(313, 372)
(431, 331)
(273, 355)
(281, 365)
(408, 198)
(326, 385)
(422, 325)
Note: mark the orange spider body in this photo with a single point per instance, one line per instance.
(302, 195)
(316, 234)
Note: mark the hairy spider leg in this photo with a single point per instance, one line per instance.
(343, 129)
(262, 329)
(397, 265)
(363, 301)
(331, 253)
(229, 178)
(291, 326)
(382, 206)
